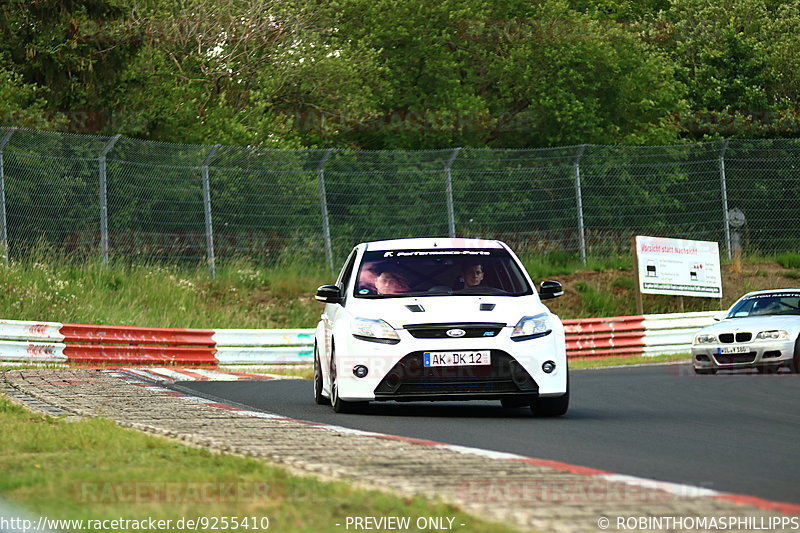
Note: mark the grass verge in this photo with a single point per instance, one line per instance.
(95, 470)
(633, 360)
(248, 295)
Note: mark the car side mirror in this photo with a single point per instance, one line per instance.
(329, 294)
(550, 289)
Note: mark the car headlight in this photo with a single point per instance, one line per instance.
(704, 338)
(775, 334)
(530, 327)
(374, 330)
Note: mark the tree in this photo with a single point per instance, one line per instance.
(506, 74)
(738, 59)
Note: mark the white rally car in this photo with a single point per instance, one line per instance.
(439, 319)
(761, 330)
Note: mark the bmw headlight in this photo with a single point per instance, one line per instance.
(704, 338)
(776, 334)
(530, 327)
(374, 330)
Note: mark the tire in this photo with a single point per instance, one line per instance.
(767, 369)
(319, 399)
(795, 365)
(551, 407)
(705, 371)
(339, 405)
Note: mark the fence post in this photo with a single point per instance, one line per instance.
(104, 197)
(323, 202)
(579, 201)
(3, 221)
(451, 216)
(210, 258)
(724, 184)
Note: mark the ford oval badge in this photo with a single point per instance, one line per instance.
(456, 332)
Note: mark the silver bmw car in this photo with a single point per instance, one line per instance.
(761, 330)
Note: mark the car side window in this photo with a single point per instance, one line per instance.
(346, 273)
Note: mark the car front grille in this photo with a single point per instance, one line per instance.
(735, 358)
(742, 336)
(410, 378)
(439, 331)
(441, 386)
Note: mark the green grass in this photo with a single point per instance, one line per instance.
(245, 294)
(91, 469)
(547, 266)
(575, 364)
(789, 260)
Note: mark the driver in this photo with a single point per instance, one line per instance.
(391, 282)
(471, 276)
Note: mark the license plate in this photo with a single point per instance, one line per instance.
(456, 358)
(733, 349)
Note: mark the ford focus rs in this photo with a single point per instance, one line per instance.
(439, 319)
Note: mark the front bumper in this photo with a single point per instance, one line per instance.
(396, 371)
(759, 353)
(410, 380)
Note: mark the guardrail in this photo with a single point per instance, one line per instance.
(634, 335)
(95, 344)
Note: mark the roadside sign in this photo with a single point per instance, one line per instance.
(678, 267)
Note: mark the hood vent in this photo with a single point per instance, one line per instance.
(487, 307)
(415, 308)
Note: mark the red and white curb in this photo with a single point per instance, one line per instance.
(171, 374)
(677, 489)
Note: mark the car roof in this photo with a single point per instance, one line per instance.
(770, 291)
(431, 242)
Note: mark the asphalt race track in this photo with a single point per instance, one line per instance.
(730, 432)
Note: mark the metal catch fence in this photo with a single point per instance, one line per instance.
(122, 197)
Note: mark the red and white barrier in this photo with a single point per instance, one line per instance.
(635, 335)
(82, 343)
(97, 344)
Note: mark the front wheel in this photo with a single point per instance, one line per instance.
(319, 399)
(551, 407)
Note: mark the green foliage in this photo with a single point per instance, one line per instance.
(546, 266)
(789, 260)
(23, 104)
(381, 74)
(244, 294)
(738, 60)
(626, 283)
(596, 302)
(509, 74)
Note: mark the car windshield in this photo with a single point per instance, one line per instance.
(784, 303)
(400, 273)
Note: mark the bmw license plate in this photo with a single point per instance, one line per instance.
(469, 358)
(733, 349)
